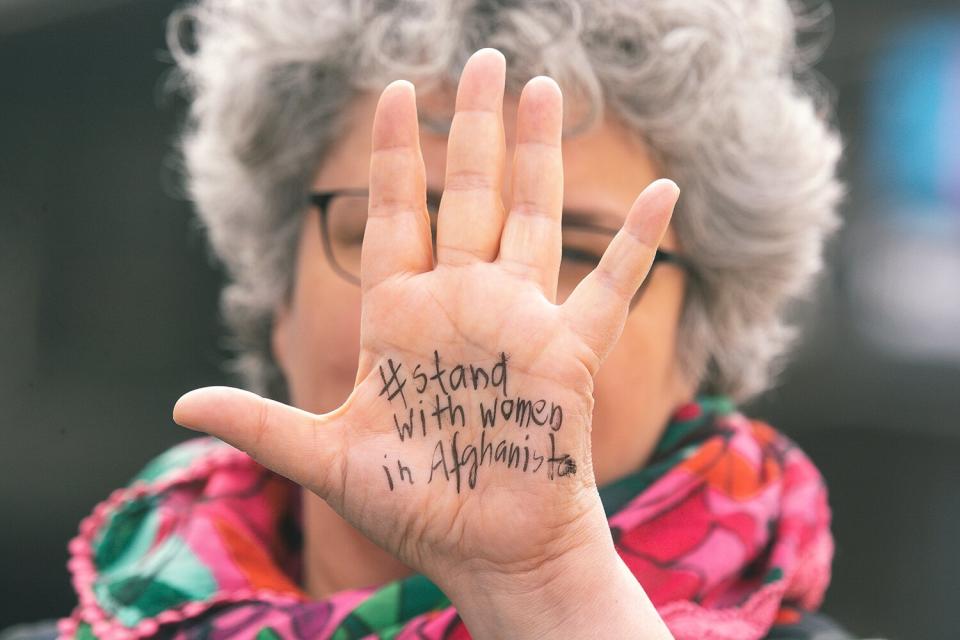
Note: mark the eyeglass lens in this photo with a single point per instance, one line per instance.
(346, 220)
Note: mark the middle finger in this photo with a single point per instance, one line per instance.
(471, 210)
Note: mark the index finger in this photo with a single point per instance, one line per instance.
(397, 237)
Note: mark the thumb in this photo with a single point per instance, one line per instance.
(297, 444)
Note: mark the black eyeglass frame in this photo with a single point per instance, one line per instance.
(321, 200)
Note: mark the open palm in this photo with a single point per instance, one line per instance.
(465, 445)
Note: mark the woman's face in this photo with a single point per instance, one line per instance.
(316, 337)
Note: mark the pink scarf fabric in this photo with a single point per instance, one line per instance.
(727, 528)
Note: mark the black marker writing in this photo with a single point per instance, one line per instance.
(457, 455)
(394, 382)
(404, 471)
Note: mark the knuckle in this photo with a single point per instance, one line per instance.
(385, 206)
(532, 209)
(262, 423)
(469, 180)
(612, 282)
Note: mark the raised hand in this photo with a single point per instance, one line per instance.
(464, 448)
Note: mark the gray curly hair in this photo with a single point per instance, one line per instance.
(721, 92)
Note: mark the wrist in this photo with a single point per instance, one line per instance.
(586, 592)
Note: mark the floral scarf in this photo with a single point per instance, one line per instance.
(727, 527)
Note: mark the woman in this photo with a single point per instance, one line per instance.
(487, 400)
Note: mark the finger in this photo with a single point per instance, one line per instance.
(299, 445)
(471, 210)
(532, 241)
(397, 238)
(597, 308)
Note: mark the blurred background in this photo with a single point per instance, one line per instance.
(108, 300)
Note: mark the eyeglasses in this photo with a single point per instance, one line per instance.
(343, 218)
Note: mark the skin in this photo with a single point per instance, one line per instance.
(598, 361)
(317, 343)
